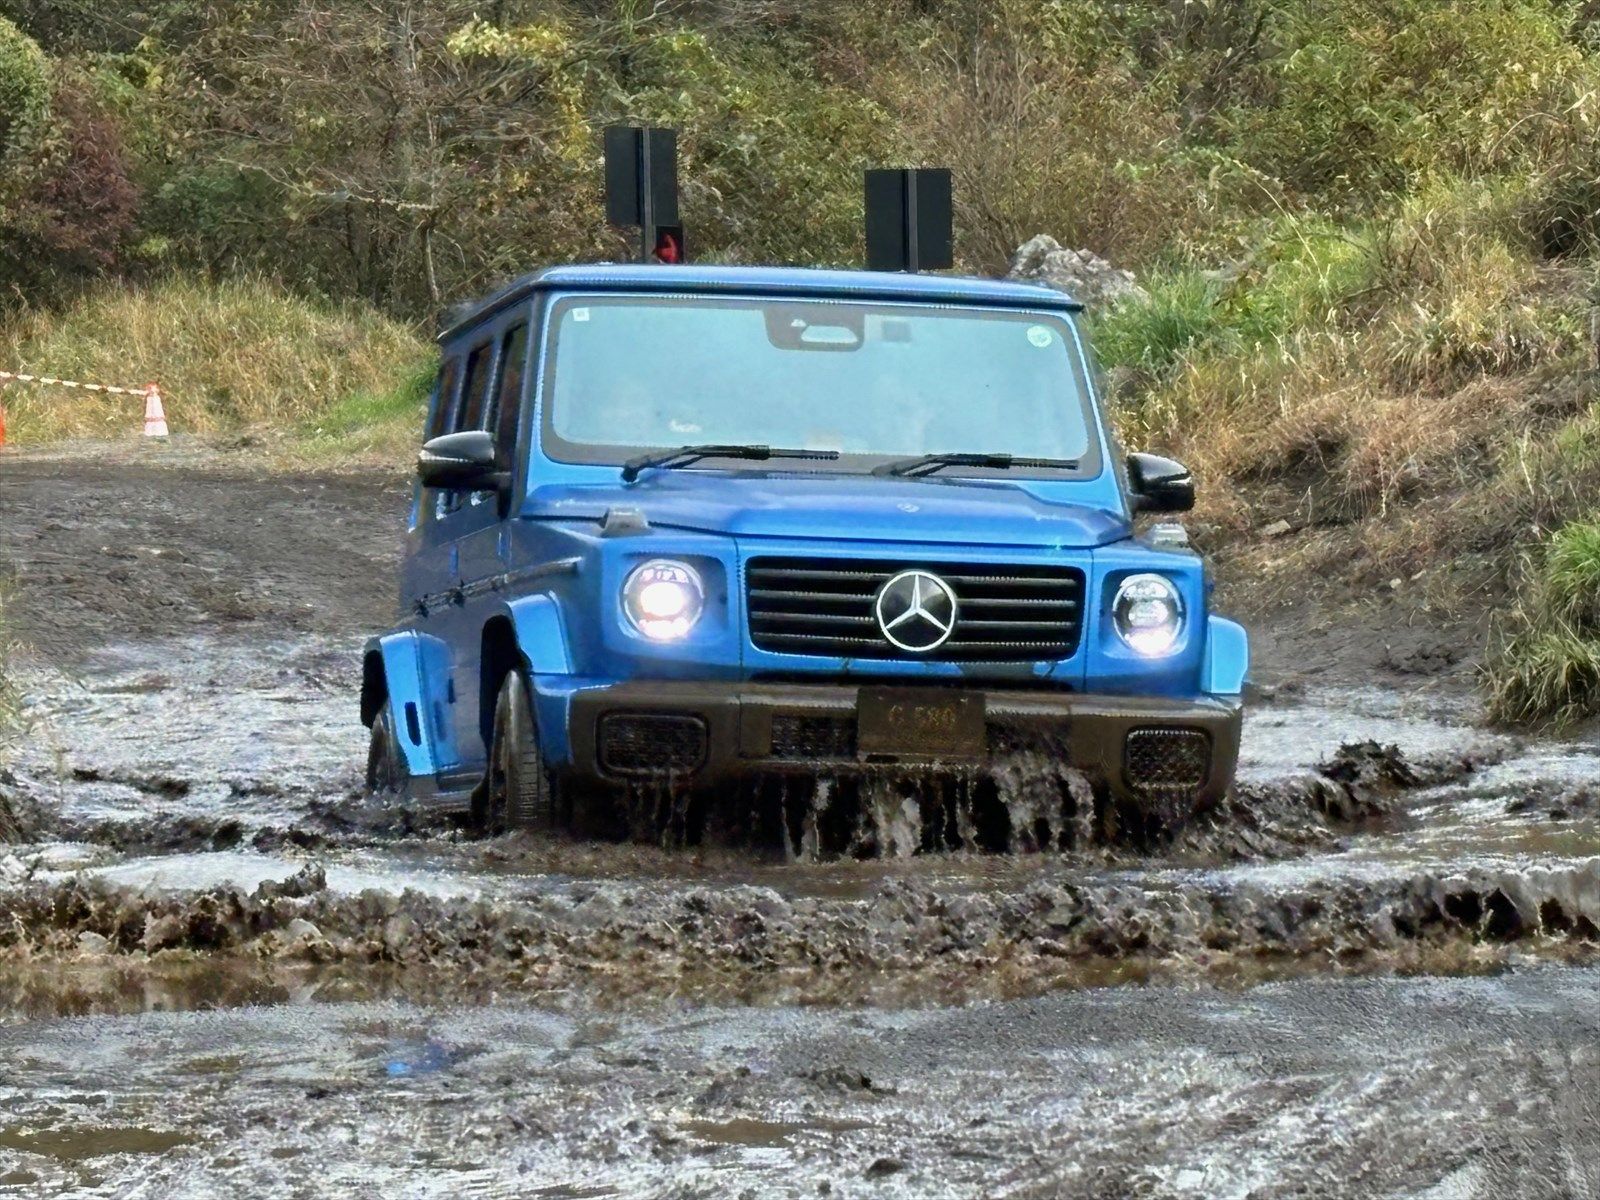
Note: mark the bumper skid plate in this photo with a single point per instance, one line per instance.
(1141, 749)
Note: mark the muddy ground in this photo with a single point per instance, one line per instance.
(222, 972)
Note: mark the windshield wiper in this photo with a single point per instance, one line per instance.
(686, 456)
(927, 464)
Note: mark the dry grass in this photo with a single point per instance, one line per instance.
(1346, 372)
(1414, 396)
(229, 357)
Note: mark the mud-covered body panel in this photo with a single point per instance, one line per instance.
(742, 731)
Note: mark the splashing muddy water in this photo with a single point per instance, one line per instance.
(1365, 851)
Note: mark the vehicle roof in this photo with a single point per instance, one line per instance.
(803, 282)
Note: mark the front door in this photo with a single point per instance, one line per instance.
(447, 519)
(484, 533)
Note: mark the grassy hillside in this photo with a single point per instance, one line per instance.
(240, 355)
(1414, 395)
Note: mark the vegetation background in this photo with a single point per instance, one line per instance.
(1367, 230)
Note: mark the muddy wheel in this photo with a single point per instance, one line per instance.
(386, 771)
(517, 793)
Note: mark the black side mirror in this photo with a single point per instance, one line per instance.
(1159, 484)
(460, 462)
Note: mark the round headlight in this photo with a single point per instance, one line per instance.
(1148, 613)
(663, 599)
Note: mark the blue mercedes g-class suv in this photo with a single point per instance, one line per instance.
(699, 525)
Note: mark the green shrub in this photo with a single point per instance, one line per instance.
(1547, 668)
(1364, 100)
(1572, 577)
(1182, 315)
(24, 91)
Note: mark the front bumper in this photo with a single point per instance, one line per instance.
(1152, 752)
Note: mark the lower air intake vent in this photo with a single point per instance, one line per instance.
(813, 739)
(1162, 760)
(651, 744)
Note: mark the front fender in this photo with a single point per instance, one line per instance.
(1227, 658)
(541, 634)
(408, 661)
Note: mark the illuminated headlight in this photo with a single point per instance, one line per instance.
(663, 599)
(1148, 613)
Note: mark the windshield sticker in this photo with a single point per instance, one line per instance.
(1040, 336)
(580, 315)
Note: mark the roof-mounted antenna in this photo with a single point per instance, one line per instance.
(642, 189)
(909, 220)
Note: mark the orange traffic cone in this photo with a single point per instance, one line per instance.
(155, 416)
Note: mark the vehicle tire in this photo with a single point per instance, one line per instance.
(386, 768)
(518, 793)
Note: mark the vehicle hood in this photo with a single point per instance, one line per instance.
(753, 505)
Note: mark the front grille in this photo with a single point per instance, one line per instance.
(651, 743)
(811, 739)
(824, 607)
(1163, 760)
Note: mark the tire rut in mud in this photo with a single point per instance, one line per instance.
(906, 938)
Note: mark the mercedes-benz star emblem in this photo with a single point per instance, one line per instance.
(916, 611)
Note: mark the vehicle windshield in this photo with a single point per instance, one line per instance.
(873, 382)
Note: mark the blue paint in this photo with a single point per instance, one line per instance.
(404, 674)
(1227, 661)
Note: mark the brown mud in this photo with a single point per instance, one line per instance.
(222, 969)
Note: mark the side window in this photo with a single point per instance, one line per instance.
(506, 406)
(441, 420)
(476, 392)
(464, 414)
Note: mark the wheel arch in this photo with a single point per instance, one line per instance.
(396, 671)
(374, 685)
(499, 654)
(530, 633)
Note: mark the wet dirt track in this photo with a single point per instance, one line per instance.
(1355, 1088)
(434, 1014)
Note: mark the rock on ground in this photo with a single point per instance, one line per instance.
(1082, 274)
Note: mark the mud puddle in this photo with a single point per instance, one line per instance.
(189, 815)
(199, 729)
(1437, 1088)
(1427, 724)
